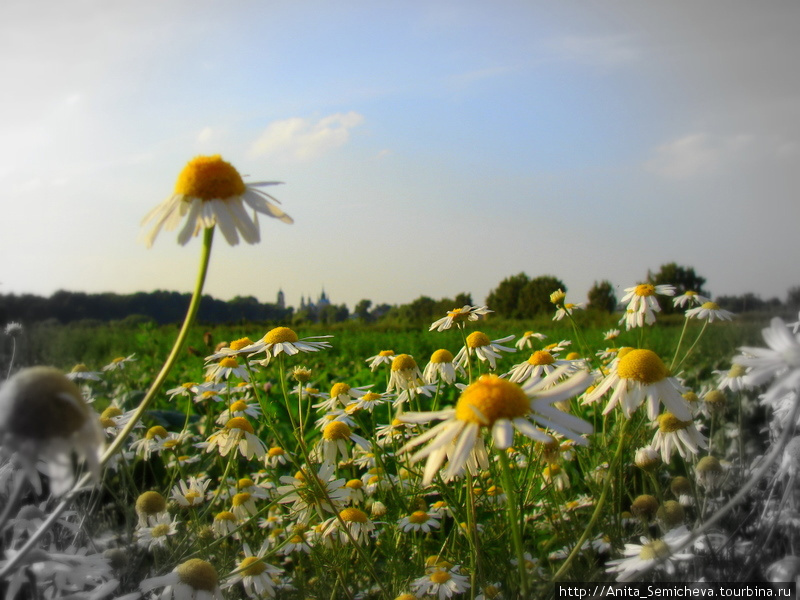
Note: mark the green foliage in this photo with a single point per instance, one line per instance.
(519, 297)
(683, 278)
(601, 297)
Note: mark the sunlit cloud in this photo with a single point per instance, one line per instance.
(305, 139)
(696, 153)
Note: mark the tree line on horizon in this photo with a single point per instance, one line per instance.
(516, 297)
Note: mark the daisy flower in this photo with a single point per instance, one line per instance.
(611, 334)
(226, 367)
(500, 406)
(276, 456)
(709, 311)
(43, 417)
(82, 372)
(238, 432)
(487, 350)
(210, 192)
(441, 582)
(239, 408)
(384, 357)
(156, 440)
(333, 442)
(283, 340)
(150, 508)
(780, 362)
(675, 434)
(156, 533)
(405, 373)
(689, 297)
(306, 496)
(194, 579)
(567, 309)
(526, 341)
(419, 520)
(642, 304)
(641, 557)
(368, 402)
(119, 363)
(636, 376)
(458, 315)
(350, 520)
(441, 367)
(235, 348)
(733, 379)
(540, 364)
(341, 395)
(255, 575)
(225, 523)
(191, 492)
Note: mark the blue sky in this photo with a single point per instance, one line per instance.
(426, 147)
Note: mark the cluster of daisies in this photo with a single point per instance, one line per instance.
(301, 492)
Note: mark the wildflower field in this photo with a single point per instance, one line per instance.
(479, 458)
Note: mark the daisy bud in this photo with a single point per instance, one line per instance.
(709, 472)
(670, 515)
(644, 507)
(647, 459)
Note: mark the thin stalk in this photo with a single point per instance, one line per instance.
(600, 503)
(513, 520)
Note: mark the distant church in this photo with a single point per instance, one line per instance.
(314, 307)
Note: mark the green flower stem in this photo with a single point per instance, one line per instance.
(191, 314)
(689, 351)
(513, 520)
(678, 345)
(194, 305)
(598, 509)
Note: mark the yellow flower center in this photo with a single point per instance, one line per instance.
(737, 370)
(229, 362)
(80, 368)
(354, 484)
(336, 430)
(654, 550)
(280, 335)
(418, 517)
(241, 498)
(209, 178)
(160, 530)
(239, 423)
(690, 397)
(198, 574)
(541, 357)
(252, 566)
(244, 482)
(714, 397)
(643, 366)
(240, 343)
(442, 356)
(296, 539)
(225, 515)
(669, 423)
(403, 362)
(111, 412)
(150, 503)
(370, 397)
(710, 306)
(353, 515)
(275, 451)
(191, 496)
(118, 360)
(477, 339)
(494, 398)
(557, 296)
(708, 465)
(386, 353)
(645, 289)
(339, 389)
(440, 577)
(157, 431)
(572, 356)
(238, 406)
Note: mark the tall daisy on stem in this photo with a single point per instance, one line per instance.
(209, 192)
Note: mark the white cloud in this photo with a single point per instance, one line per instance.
(696, 154)
(305, 139)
